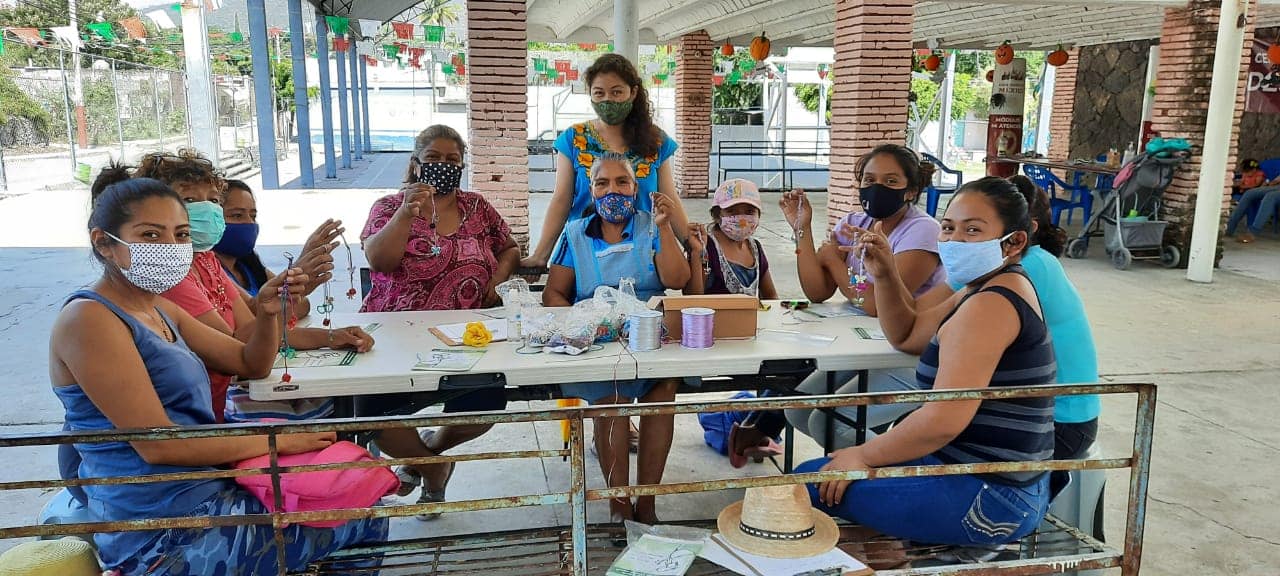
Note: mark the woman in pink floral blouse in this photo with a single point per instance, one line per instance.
(433, 246)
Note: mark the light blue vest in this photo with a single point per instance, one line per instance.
(631, 258)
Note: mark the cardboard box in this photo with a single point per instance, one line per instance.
(735, 314)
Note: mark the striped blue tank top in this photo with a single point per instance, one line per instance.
(1013, 430)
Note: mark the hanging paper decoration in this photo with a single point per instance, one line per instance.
(341, 44)
(552, 73)
(657, 81)
(589, 47)
(274, 31)
(717, 80)
(338, 25)
(462, 69)
(237, 37)
(562, 66)
(161, 19)
(435, 34)
(573, 74)
(662, 76)
(404, 30)
(404, 48)
(68, 36)
(134, 28)
(560, 80)
(671, 65)
(391, 50)
(540, 64)
(447, 69)
(370, 60)
(746, 65)
(102, 29)
(369, 28)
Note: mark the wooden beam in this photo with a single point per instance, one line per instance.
(565, 17)
(654, 11)
(727, 17)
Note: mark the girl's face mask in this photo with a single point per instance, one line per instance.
(740, 227)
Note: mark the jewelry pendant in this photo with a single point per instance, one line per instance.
(860, 284)
(436, 250)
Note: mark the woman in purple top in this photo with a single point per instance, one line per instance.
(891, 178)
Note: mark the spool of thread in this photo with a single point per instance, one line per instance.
(644, 332)
(697, 326)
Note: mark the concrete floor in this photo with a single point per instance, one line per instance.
(1212, 348)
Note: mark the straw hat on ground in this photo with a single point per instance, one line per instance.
(64, 557)
(778, 522)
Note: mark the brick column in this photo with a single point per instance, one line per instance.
(497, 109)
(694, 66)
(1187, 42)
(1064, 104)
(872, 83)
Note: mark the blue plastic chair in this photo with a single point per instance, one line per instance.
(1073, 195)
(934, 193)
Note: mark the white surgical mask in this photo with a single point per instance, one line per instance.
(969, 261)
(156, 268)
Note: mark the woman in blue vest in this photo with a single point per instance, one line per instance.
(618, 241)
(989, 334)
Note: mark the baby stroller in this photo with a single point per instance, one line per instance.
(1128, 217)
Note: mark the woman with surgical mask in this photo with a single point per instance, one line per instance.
(623, 125)
(209, 294)
(989, 334)
(890, 179)
(434, 246)
(123, 358)
(614, 242)
(726, 258)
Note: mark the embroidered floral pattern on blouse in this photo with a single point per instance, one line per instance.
(589, 144)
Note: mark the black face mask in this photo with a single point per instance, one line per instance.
(880, 201)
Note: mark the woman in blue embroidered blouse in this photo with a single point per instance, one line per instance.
(624, 125)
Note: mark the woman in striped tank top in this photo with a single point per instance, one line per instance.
(990, 333)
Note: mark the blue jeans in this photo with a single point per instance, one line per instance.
(1266, 199)
(958, 510)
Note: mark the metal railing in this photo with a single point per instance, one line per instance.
(575, 558)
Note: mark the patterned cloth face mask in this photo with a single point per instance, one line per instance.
(739, 228)
(445, 177)
(616, 208)
(156, 268)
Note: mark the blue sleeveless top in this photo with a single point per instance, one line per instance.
(182, 384)
(1009, 430)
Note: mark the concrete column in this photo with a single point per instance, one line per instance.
(497, 32)
(263, 94)
(873, 72)
(357, 140)
(202, 107)
(364, 103)
(1180, 111)
(326, 99)
(1064, 105)
(626, 29)
(301, 104)
(342, 107)
(948, 100)
(694, 67)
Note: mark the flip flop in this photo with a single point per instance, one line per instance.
(736, 459)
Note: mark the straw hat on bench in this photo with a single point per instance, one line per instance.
(778, 522)
(64, 557)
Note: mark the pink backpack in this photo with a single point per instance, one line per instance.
(321, 490)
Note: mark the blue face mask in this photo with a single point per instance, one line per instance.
(616, 208)
(969, 261)
(238, 241)
(207, 225)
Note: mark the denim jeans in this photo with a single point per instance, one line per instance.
(1267, 199)
(962, 510)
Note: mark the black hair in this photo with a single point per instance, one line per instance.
(114, 194)
(1008, 201)
(1047, 235)
(423, 141)
(1250, 164)
(907, 160)
(238, 185)
(638, 129)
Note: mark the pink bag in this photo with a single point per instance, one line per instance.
(324, 489)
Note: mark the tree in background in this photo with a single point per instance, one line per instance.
(735, 98)
(439, 13)
(45, 14)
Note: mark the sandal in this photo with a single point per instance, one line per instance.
(432, 497)
(758, 449)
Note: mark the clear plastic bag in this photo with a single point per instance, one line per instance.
(658, 550)
(621, 303)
